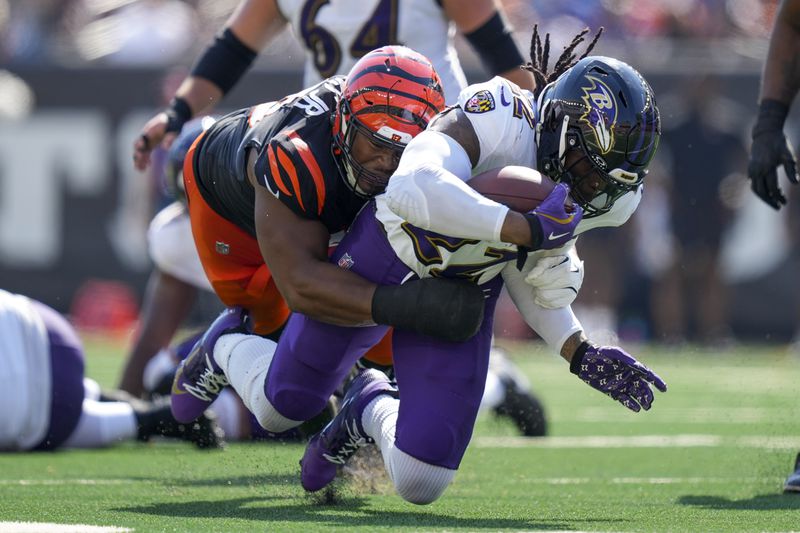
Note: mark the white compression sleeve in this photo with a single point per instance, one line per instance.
(102, 424)
(555, 326)
(428, 190)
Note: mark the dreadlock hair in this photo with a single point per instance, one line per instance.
(540, 57)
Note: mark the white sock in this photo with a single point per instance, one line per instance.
(494, 391)
(159, 366)
(227, 408)
(91, 389)
(103, 423)
(415, 481)
(245, 359)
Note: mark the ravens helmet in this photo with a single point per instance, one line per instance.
(390, 95)
(173, 170)
(605, 110)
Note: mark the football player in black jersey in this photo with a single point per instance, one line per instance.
(268, 186)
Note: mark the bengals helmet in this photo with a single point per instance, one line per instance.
(389, 96)
(605, 109)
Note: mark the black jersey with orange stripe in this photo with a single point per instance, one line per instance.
(294, 140)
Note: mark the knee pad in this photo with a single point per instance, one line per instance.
(434, 441)
(298, 404)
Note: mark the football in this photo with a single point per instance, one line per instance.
(519, 188)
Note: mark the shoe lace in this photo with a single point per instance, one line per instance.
(351, 444)
(209, 384)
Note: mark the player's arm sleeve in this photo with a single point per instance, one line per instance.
(291, 173)
(555, 326)
(428, 190)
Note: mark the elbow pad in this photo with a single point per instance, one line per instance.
(225, 61)
(495, 46)
(445, 309)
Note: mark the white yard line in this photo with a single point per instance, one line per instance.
(40, 482)
(688, 415)
(46, 527)
(650, 480)
(642, 441)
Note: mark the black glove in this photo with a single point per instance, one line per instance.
(178, 114)
(769, 150)
(446, 309)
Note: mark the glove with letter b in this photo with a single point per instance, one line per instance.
(556, 280)
(617, 374)
(552, 223)
(770, 149)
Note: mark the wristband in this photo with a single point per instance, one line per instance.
(178, 114)
(577, 357)
(771, 116)
(536, 239)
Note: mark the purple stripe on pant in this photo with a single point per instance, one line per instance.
(441, 383)
(66, 362)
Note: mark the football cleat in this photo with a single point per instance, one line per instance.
(158, 421)
(519, 403)
(344, 435)
(199, 380)
(792, 483)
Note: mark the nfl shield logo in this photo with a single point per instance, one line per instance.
(346, 262)
(222, 248)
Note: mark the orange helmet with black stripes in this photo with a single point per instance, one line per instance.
(390, 95)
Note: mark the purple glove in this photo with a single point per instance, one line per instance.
(616, 373)
(551, 225)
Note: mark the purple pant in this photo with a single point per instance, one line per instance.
(66, 363)
(441, 383)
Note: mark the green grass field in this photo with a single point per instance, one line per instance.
(711, 456)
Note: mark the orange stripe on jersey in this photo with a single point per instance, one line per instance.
(275, 171)
(313, 167)
(288, 165)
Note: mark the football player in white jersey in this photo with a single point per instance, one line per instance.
(595, 129)
(47, 402)
(336, 33)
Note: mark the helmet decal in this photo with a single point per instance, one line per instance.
(601, 112)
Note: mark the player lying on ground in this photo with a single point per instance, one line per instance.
(48, 402)
(599, 103)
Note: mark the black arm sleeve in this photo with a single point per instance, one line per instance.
(225, 61)
(495, 46)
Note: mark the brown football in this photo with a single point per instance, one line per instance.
(519, 188)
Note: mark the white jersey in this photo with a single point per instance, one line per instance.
(336, 33)
(172, 247)
(504, 119)
(24, 373)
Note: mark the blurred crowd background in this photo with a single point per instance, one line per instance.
(703, 261)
